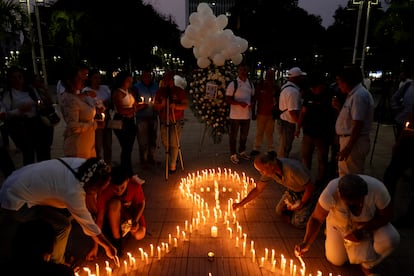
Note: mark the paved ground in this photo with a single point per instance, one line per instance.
(167, 208)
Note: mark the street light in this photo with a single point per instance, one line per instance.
(39, 34)
(364, 44)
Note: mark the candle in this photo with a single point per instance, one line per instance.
(129, 258)
(169, 239)
(244, 237)
(159, 252)
(142, 253)
(231, 232)
(88, 271)
(237, 241)
(291, 266)
(125, 267)
(273, 265)
(152, 250)
(251, 245)
(133, 263)
(273, 255)
(97, 272)
(178, 232)
(191, 228)
(183, 233)
(244, 249)
(186, 225)
(266, 254)
(108, 271)
(142, 99)
(262, 262)
(214, 231)
(175, 242)
(150, 100)
(166, 248)
(253, 255)
(146, 257)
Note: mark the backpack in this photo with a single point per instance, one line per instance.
(236, 85)
(276, 112)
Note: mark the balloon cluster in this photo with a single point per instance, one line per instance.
(210, 42)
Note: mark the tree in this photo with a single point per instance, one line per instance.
(13, 26)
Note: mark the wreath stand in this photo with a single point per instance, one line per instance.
(202, 138)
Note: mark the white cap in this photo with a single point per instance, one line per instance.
(295, 72)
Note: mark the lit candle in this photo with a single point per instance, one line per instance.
(266, 254)
(178, 232)
(214, 231)
(186, 225)
(88, 271)
(291, 266)
(183, 233)
(142, 253)
(175, 242)
(273, 265)
(159, 252)
(262, 262)
(237, 241)
(133, 263)
(252, 245)
(230, 232)
(146, 257)
(319, 273)
(169, 239)
(273, 255)
(129, 258)
(191, 228)
(150, 100)
(108, 271)
(253, 255)
(142, 99)
(152, 250)
(244, 237)
(244, 249)
(125, 267)
(97, 272)
(166, 248)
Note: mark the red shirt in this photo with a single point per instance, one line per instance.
(132, 197)
(177, 96)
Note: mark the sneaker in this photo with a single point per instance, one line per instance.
(244, 155)
(140, 181)
(254, 153)
(234, 159)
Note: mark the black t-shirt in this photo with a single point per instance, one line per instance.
(319, 120)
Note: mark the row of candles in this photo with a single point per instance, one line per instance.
(223, 221)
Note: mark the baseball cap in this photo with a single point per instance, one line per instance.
(295, 72)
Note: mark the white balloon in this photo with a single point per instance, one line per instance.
(203, 62)
(229, 33)
(196, 52)
(192, 32)
(187, 43)
(205, 49)
(219, 60)
(243, 45)
(204, 8)
(195, 19)
(221, 21)
(237, 59)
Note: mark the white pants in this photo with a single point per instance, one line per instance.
(385, 240)
(355, 162)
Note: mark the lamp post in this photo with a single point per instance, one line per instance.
(40, 38)
(364, 44)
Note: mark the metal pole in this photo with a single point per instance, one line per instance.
(42, 53)
(361, 5)
(35, 70)
(365, 37)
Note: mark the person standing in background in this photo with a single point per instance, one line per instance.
(79, 114)
(147, 118)
(289, 105)
(103, 104)
(241, 100)
(354, 121)
(265, 98)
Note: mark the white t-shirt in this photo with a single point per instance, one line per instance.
(289, 100)
(244, 93)
(339, 215)
(49, 183)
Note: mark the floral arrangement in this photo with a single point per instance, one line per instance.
(208, 91)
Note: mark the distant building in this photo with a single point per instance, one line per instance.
(218, 6)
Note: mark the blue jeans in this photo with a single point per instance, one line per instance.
(235, 125)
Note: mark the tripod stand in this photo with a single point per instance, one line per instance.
(168, 128)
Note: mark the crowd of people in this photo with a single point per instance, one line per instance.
(108, 203)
